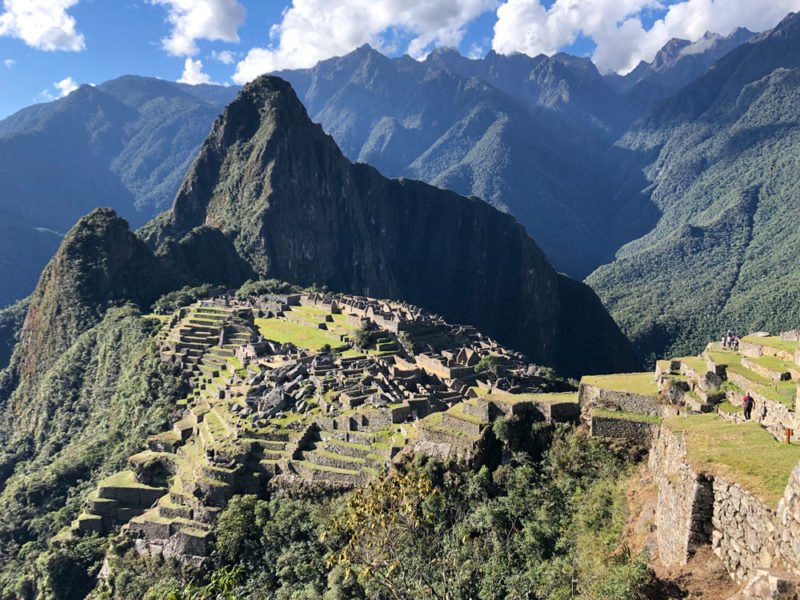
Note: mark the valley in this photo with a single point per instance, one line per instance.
(327, 320)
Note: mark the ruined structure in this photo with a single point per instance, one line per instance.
(721, 481)
(281, 400)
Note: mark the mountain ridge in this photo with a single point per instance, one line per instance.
(127, 142)
(298, 210)
(718, 156)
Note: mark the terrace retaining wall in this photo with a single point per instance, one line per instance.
(590, 396)
(695, 508)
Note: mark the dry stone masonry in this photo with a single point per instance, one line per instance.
(700, 502)
(280, 399)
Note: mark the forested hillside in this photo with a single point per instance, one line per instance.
(722, 158)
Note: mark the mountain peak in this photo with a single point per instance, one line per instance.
(100, 262)
(297, 210)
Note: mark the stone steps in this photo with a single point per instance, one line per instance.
(357, 437)
(361, 451)
(458, 422)
(329, 459)
(342, 477)
(783, 373)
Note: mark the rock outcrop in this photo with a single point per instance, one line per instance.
(298, 210)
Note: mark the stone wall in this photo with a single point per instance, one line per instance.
(698, 508)
(743, 535)
(685, 499)
(623, 428)
(787, 524)
(595, 397)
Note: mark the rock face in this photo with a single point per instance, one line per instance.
(297, 209)
(100, 262)
(529, 135)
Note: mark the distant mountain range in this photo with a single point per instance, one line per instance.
(126, 143)
(600, 169)
(532, 136)
(722, 161)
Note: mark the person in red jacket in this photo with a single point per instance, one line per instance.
(747, 405)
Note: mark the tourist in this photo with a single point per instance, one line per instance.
(747, 405)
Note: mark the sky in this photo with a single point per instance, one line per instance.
(49, 47)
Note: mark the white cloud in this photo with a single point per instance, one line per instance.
(226, 57)
(66, 86)
(193, 73)
(42, 24)
(194, 20)
(616, 25)
(477, 50)
(313, 30)
(9, 62)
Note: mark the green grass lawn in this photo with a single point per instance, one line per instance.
(743, 453)
(723, 357)
(302, 336)
(123, 479)
(773, 341)
(696, 364)
(628, 416)
(635, 383)
(772, 363)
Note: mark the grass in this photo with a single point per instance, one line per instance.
(634, 383)
(783, 391)
(773, 342)
(457, 411)
(729, 408)
(772, 363)
(742, 453)
(626, 416)
(696, 364)
(554, 398)
(123, 479)
(302, 336)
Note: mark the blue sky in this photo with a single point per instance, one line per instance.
(119, 37)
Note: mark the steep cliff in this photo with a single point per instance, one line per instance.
(297, 209)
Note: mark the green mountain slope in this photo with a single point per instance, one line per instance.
(298, 210)
(722, 160)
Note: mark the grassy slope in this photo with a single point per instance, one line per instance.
(717, 446)
(94, 407)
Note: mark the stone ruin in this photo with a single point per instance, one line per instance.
(264, 414)
(757, 541)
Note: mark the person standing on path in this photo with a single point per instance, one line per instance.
(747, 406)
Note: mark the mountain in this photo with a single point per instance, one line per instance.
(531, 136)
(296, 209)
(270, 195)
(677, 64)
(126, 143)
(721, 160)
